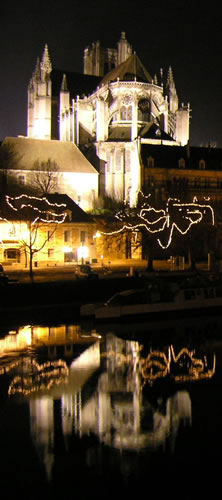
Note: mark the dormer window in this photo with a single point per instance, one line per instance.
(21, 180)
(69, 215)
(182, 163)
(202, 164)
(150, 162)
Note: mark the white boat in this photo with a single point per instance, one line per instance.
(155, 300)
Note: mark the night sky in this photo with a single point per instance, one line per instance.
(183, 34)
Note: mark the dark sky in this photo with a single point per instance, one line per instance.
(183, 34)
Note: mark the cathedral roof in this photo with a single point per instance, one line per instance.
(78, 215)
(127, 71)
(67, 155)
(152, 131)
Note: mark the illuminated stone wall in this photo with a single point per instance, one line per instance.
(67, 243)
(126, 101)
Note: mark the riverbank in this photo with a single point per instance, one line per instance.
(59, 301)
(56, 300)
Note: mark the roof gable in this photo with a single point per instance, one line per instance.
(67, 155)
(128, 70)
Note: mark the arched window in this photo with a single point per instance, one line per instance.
(150, 162)
(144, 110)
(119, 160)
(127, 161)
(21, 179)
(202, 164)
(181, 163)
(129, 113)
(123, 113)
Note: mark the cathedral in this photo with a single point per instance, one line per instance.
(113, 131)
(107, 114)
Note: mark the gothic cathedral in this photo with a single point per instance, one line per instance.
(107, 112)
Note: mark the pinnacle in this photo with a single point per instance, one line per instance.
(46, 62)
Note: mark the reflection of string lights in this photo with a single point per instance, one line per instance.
(195, 368)
(158, 365)
(159, 221)
(154, 368)
(42, 378)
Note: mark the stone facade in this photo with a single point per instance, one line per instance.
(107, 110)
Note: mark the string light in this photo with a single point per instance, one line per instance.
(163, 221)
(55, 217)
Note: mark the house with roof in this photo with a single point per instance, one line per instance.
(53, 228)
(186, 172)
(75, 175)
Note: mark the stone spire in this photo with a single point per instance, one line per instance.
(124, 49)
(64, 87)
(171, 91)
(170, 79)
(37, 71)
(46, 65)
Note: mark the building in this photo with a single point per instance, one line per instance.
(114, 131)
(54, 229)
(75, 175)
(107, 112)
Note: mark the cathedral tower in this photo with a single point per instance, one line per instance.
(39, 99)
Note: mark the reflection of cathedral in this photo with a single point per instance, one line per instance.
(98, 391)
(116, 411)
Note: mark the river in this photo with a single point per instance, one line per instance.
(90, 411)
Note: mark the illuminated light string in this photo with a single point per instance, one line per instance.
(164, 220)
(59, 205)
(39, 217)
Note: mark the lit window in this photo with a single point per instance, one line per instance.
(83, 236)
(150, 162)
(181, 163)
(67, 236)
(202, 164)
(21, 180)
(12, 254)
(50, 253)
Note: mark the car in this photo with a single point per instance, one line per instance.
(3, 276)
(85, 271)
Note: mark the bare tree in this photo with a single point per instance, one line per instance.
(9, 160)
(161, 230)
(45, 176)
(34, 214)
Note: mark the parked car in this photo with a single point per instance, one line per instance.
(85, 271)
(3, 276)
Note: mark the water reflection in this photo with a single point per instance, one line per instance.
(81, 383)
